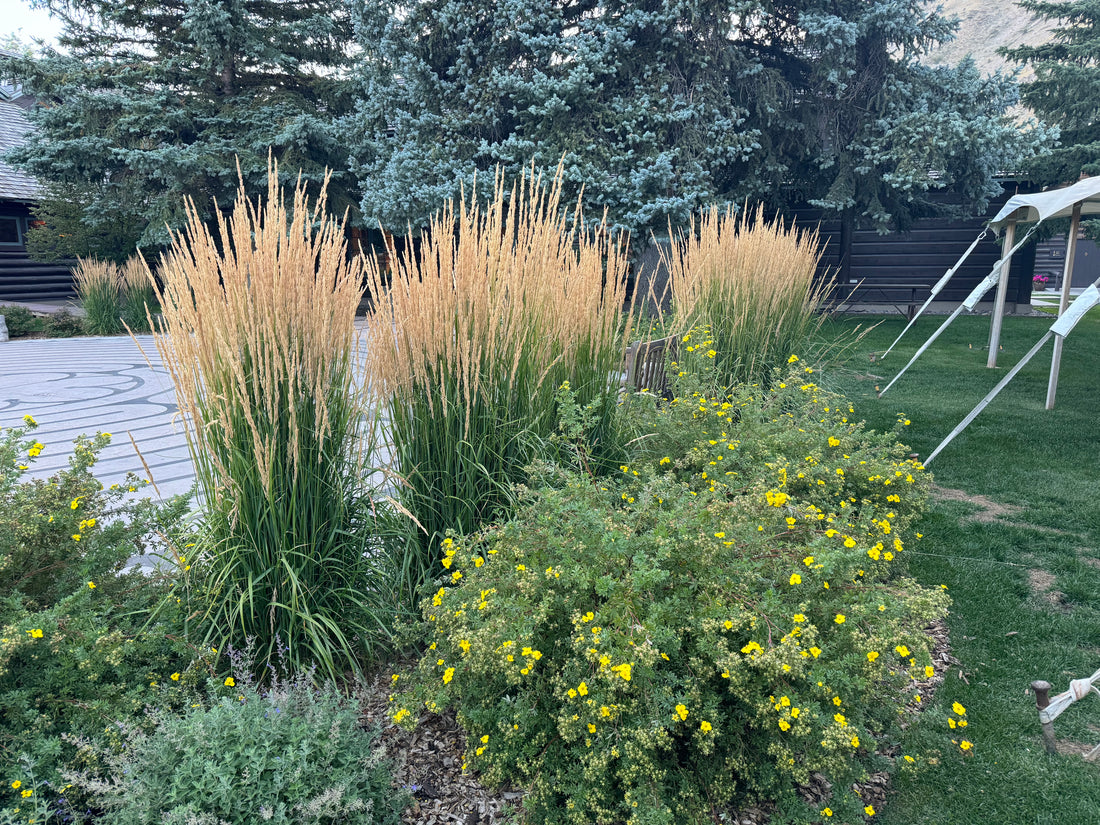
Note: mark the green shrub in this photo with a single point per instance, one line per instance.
(20, 321)
(63, 324)
(78, 650)
(499, 305)
(713, 627)
(258, 335)
(59, 533)
(752, 284)
(287, 754)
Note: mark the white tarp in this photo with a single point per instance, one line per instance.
(1057, 203)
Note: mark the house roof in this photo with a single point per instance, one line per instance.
(14, 126)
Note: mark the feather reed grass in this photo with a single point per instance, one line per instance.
(472, 335)
(138, 297)
(258, 335)
(97, 289)
(751, 282)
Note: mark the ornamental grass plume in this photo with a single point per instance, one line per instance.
(752, 283)
(258, 335)
(97, 289)
(138, 298)
(473, 333)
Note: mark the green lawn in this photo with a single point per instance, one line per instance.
(1010, 623)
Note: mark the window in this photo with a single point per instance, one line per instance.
(9, 231)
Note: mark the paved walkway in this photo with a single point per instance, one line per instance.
(76, 386)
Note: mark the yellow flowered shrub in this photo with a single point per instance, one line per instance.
(691, 635)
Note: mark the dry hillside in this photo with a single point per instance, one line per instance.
(985, 26)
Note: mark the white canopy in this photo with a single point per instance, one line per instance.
(1057, 203)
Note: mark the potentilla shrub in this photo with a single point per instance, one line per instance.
(80, 646)
(472, 332)
(710, 628)
(752, 283)
(258, 335)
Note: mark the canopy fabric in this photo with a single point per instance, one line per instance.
(1057, 203)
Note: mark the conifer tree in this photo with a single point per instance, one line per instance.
(1065, 90)
(660, 107)
(149, 101)
(645, 101)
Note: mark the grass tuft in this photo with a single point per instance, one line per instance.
(752, 284)
(472, 336)
(259, 338)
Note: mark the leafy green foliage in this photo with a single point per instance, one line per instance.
(77, 649)
(57, 534)
(722, 620)
(290, 754)
(71, 222)
(152, 103)
(20, 320)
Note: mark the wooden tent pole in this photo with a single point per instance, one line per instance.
(1002, 292)
(1063, 304)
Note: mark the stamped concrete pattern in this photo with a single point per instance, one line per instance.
(80, 386)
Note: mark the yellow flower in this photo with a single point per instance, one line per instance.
(849, 541)
(175, 677)
(728, 625)
(582, 689)
(902, 650)
(76, 536)
(682, 712)
(816, 651)
(796, 579)
(965, 745)
(229, 682)
(872, 655)
(17, 784)
(36, 633)
(826, 811)
(448, 674)
(91, 585)
(929, 671)
(959, 709)
(36, 449)
(75, 503)
(591, 728)
(784, 725)
(833, 441)
(28, 420)
(28, 793)
(793, 359)
(705, 726)
(520, 567)
(839, 618)
(869, 810)
(798, 617)
(624, 672)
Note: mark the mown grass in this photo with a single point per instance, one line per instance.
(1006, 632)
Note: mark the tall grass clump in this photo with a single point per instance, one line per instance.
(751, 282)
(138, 297)
(472, 336)
(97, 289)
(258, 335)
